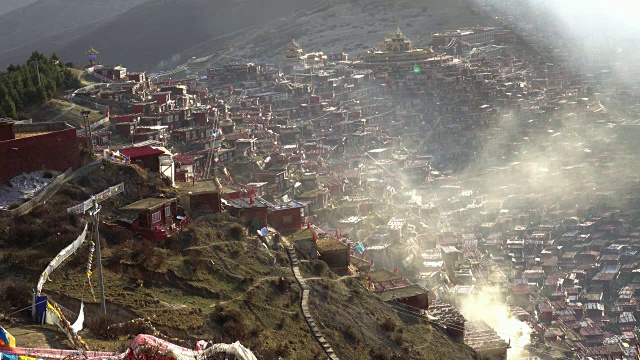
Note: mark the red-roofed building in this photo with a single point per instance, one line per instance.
(253, 209)
(289, 216)
(546, 311)
(189, 165)
(144, 156)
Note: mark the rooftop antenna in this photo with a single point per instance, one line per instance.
(93, 207)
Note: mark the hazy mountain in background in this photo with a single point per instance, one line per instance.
(10, 5)
(354, 26)
(48, 25)
(147, 34)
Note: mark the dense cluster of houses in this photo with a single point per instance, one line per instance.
(351, 161)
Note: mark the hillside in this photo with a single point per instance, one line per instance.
(145, 35)
(10, 5)
(358, 25)
(47, 25)
(210, 282)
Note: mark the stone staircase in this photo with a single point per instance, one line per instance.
(305, 305)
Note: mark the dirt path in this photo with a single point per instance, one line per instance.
(253, 286)
(38, 336)
(212, 245)
(64, 112)
(324, 278)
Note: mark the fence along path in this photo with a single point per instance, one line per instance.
(62, 256)
(45, 194)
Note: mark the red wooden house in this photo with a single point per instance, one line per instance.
(201, 118)
(192, 134)
(289, 216)
(336, 254)
(203, 196)
(188, 165)
(252, 209)
(129, 118)
(31, 147)
(145, 107)
(414, 296)
(237, 191)
(144, 156)
(152, 218)
(275, 177)
(317, 198)
(162, 97)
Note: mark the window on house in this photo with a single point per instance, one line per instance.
(287, 220)
(156, 217)
(167, 212)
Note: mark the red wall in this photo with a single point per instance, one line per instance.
(249, 214)
(200, 119)
(276, 219)
(151, 163)
(418, 301)
(6, 132)
(54, 151)
(209, 199)
(124, 118)
(138, 108)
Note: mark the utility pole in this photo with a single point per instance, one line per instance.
(87, 129)
(96, 219)
(92, 205)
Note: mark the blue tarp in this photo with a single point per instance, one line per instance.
(9, 357)
(41, 308)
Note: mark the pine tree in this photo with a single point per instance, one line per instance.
(37, 80)
(9, 108)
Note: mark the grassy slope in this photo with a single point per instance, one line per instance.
(85, 79)
(353, 320)
(61, 110)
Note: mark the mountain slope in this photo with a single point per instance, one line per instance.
(10, 5)
(46, 25)
(357, 25)
(144, 34)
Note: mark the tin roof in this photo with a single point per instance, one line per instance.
(147, 204)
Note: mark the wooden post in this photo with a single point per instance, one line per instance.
(96, 219)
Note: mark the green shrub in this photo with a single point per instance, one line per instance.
(14, 205)
(398, 339)
(15, 294)
(236, 232)
(320, 268)
(232, 323)
(99, 325)
(389, 324)
(142, 251)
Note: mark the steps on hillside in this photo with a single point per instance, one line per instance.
(304, 304)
